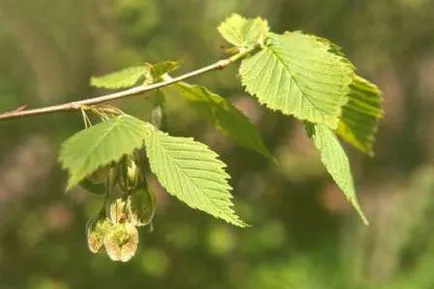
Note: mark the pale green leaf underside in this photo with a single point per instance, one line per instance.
(124, 78)
(240, 31)
(360, 116)
(336, 162)
(101, 144)
(298, 75)
(190, 171)
(225, 116)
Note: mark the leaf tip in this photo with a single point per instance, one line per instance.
(240, 224)
(69, 185)
(362, 216)
(354, 202)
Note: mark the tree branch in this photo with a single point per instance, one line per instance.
(77, 105)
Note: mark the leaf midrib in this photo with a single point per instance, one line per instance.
(292, 77)
(101, 140)
(181, 171)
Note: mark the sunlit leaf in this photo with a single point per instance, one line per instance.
(240, 31)
(121, 79)
(299, 75)
(225, 116)
(359, 121)
(336, 162)
(95, 147)
(190, 171)
(163, 67)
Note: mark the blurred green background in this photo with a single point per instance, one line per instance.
(304, 234)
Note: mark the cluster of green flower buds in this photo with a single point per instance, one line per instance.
(115, 228)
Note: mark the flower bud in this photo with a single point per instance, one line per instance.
(142, 206)
(131, 175)
(118, 211)
(121, 242)
(96, 231)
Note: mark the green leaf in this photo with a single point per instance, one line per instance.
(336, 162)
(359, 121)
(104, 143)
(190, 171)
(225, 116)
(94, 188)
(240, 31)
(158, 113)
(299, 75)
(124, 78)
(164, 67)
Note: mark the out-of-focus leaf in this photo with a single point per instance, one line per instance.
(225, 116)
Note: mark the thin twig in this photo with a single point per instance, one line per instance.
(77, 105)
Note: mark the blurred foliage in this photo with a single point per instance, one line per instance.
(304, 234)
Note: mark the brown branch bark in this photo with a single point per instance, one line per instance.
(76, 105)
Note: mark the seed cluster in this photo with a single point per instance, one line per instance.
(115, 228)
